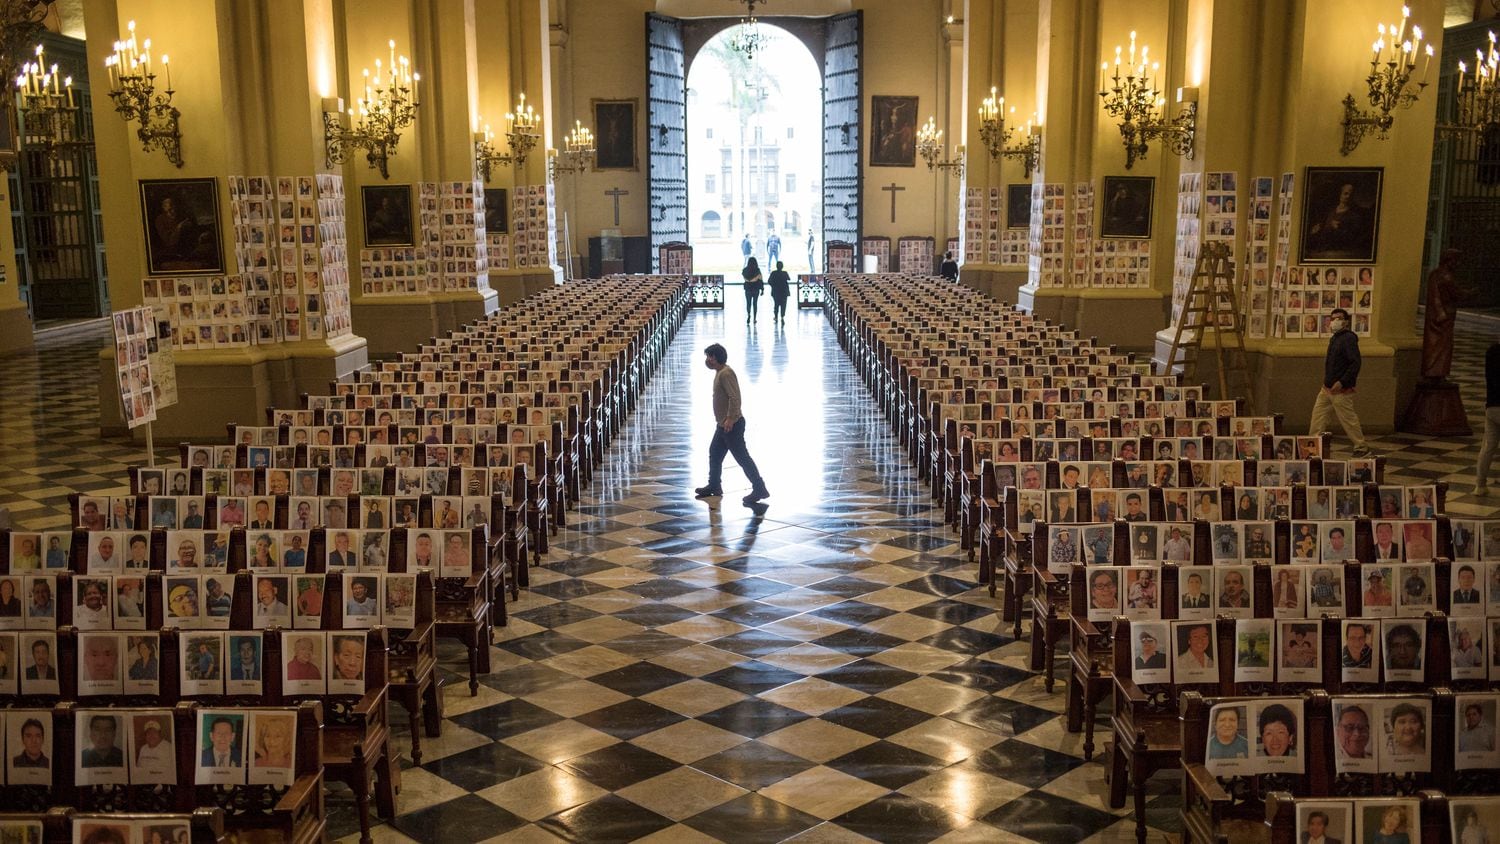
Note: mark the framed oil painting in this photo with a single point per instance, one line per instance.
(183, 233)
(496, 211)
(1341, 215)
(614, 134)
(893, 131)
(1125, 209)
(1018, 206)
(388, 220)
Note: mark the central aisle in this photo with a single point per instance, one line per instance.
(828, 669)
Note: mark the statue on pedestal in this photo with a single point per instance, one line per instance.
(1441, 315)
(1437, 409)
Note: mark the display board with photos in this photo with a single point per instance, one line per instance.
(838, 257)
(533, 226)
(976, 227)
(464, 248)
(1081, 214)
(675, 258)
(65, 825)
(1256, 271)
(1302, 307)
(1261, 736)
(1047, 262)
(1374, 819)
(1189, 238)
(134, 335)
(915, 254)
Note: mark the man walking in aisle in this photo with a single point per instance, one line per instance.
(729, 432)
(1340, 371)
(773, 248)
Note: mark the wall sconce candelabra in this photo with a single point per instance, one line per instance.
(577, 154)
(47, 104)
(1476, 98)
(521, 138)
(1136, 101)
(1390, 83)
(930, 146)
(379, 117)
(995, 134)
(132, 87)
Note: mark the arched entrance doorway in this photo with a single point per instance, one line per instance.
(754, 155)
(828, 49)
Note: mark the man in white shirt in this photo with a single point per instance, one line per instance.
(360, 601)
(92, 611)
(154, 753)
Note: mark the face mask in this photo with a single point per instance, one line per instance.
(1337, 325)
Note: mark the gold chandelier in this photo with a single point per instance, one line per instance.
(521, 138)
(388, 106)
(132, 87)
(1389, 82)
(995, 134)
(45, 99)
(1135, 99)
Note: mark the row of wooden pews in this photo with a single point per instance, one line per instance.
(1170, 541)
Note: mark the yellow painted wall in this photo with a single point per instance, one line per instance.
(1335, 50)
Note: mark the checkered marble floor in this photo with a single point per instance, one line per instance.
(49, 431)
(817, 669)
(1416, 459)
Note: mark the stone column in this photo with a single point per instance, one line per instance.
(248, 334)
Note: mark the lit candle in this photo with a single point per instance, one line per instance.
(1132, 47)
(1461, 70)
(1427, 64)
(167, 69)
(68, 85)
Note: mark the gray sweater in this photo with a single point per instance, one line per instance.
(726, 395)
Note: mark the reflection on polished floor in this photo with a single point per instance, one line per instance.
(693, 672)
(821, 670)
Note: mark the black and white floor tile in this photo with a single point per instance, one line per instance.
(820, 669)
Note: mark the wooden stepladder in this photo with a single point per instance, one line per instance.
(1212, 303)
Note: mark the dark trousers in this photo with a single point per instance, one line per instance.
(731, 442)
(778, 308)
(751, 299)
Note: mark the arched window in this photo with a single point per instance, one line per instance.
(711, 224)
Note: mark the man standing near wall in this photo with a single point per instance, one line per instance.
(1340, 372)
(729, 432)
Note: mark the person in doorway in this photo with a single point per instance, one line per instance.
(773, 248)
(811, 267)
(746, 248)
(729, 432)
(1340, 372)
(781, 290)
(754, 283)
(1491, 419)
(950, 267)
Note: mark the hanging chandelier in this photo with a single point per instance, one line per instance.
(748, 38)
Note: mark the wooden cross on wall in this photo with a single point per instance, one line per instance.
(893, 189)
(617, 193)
